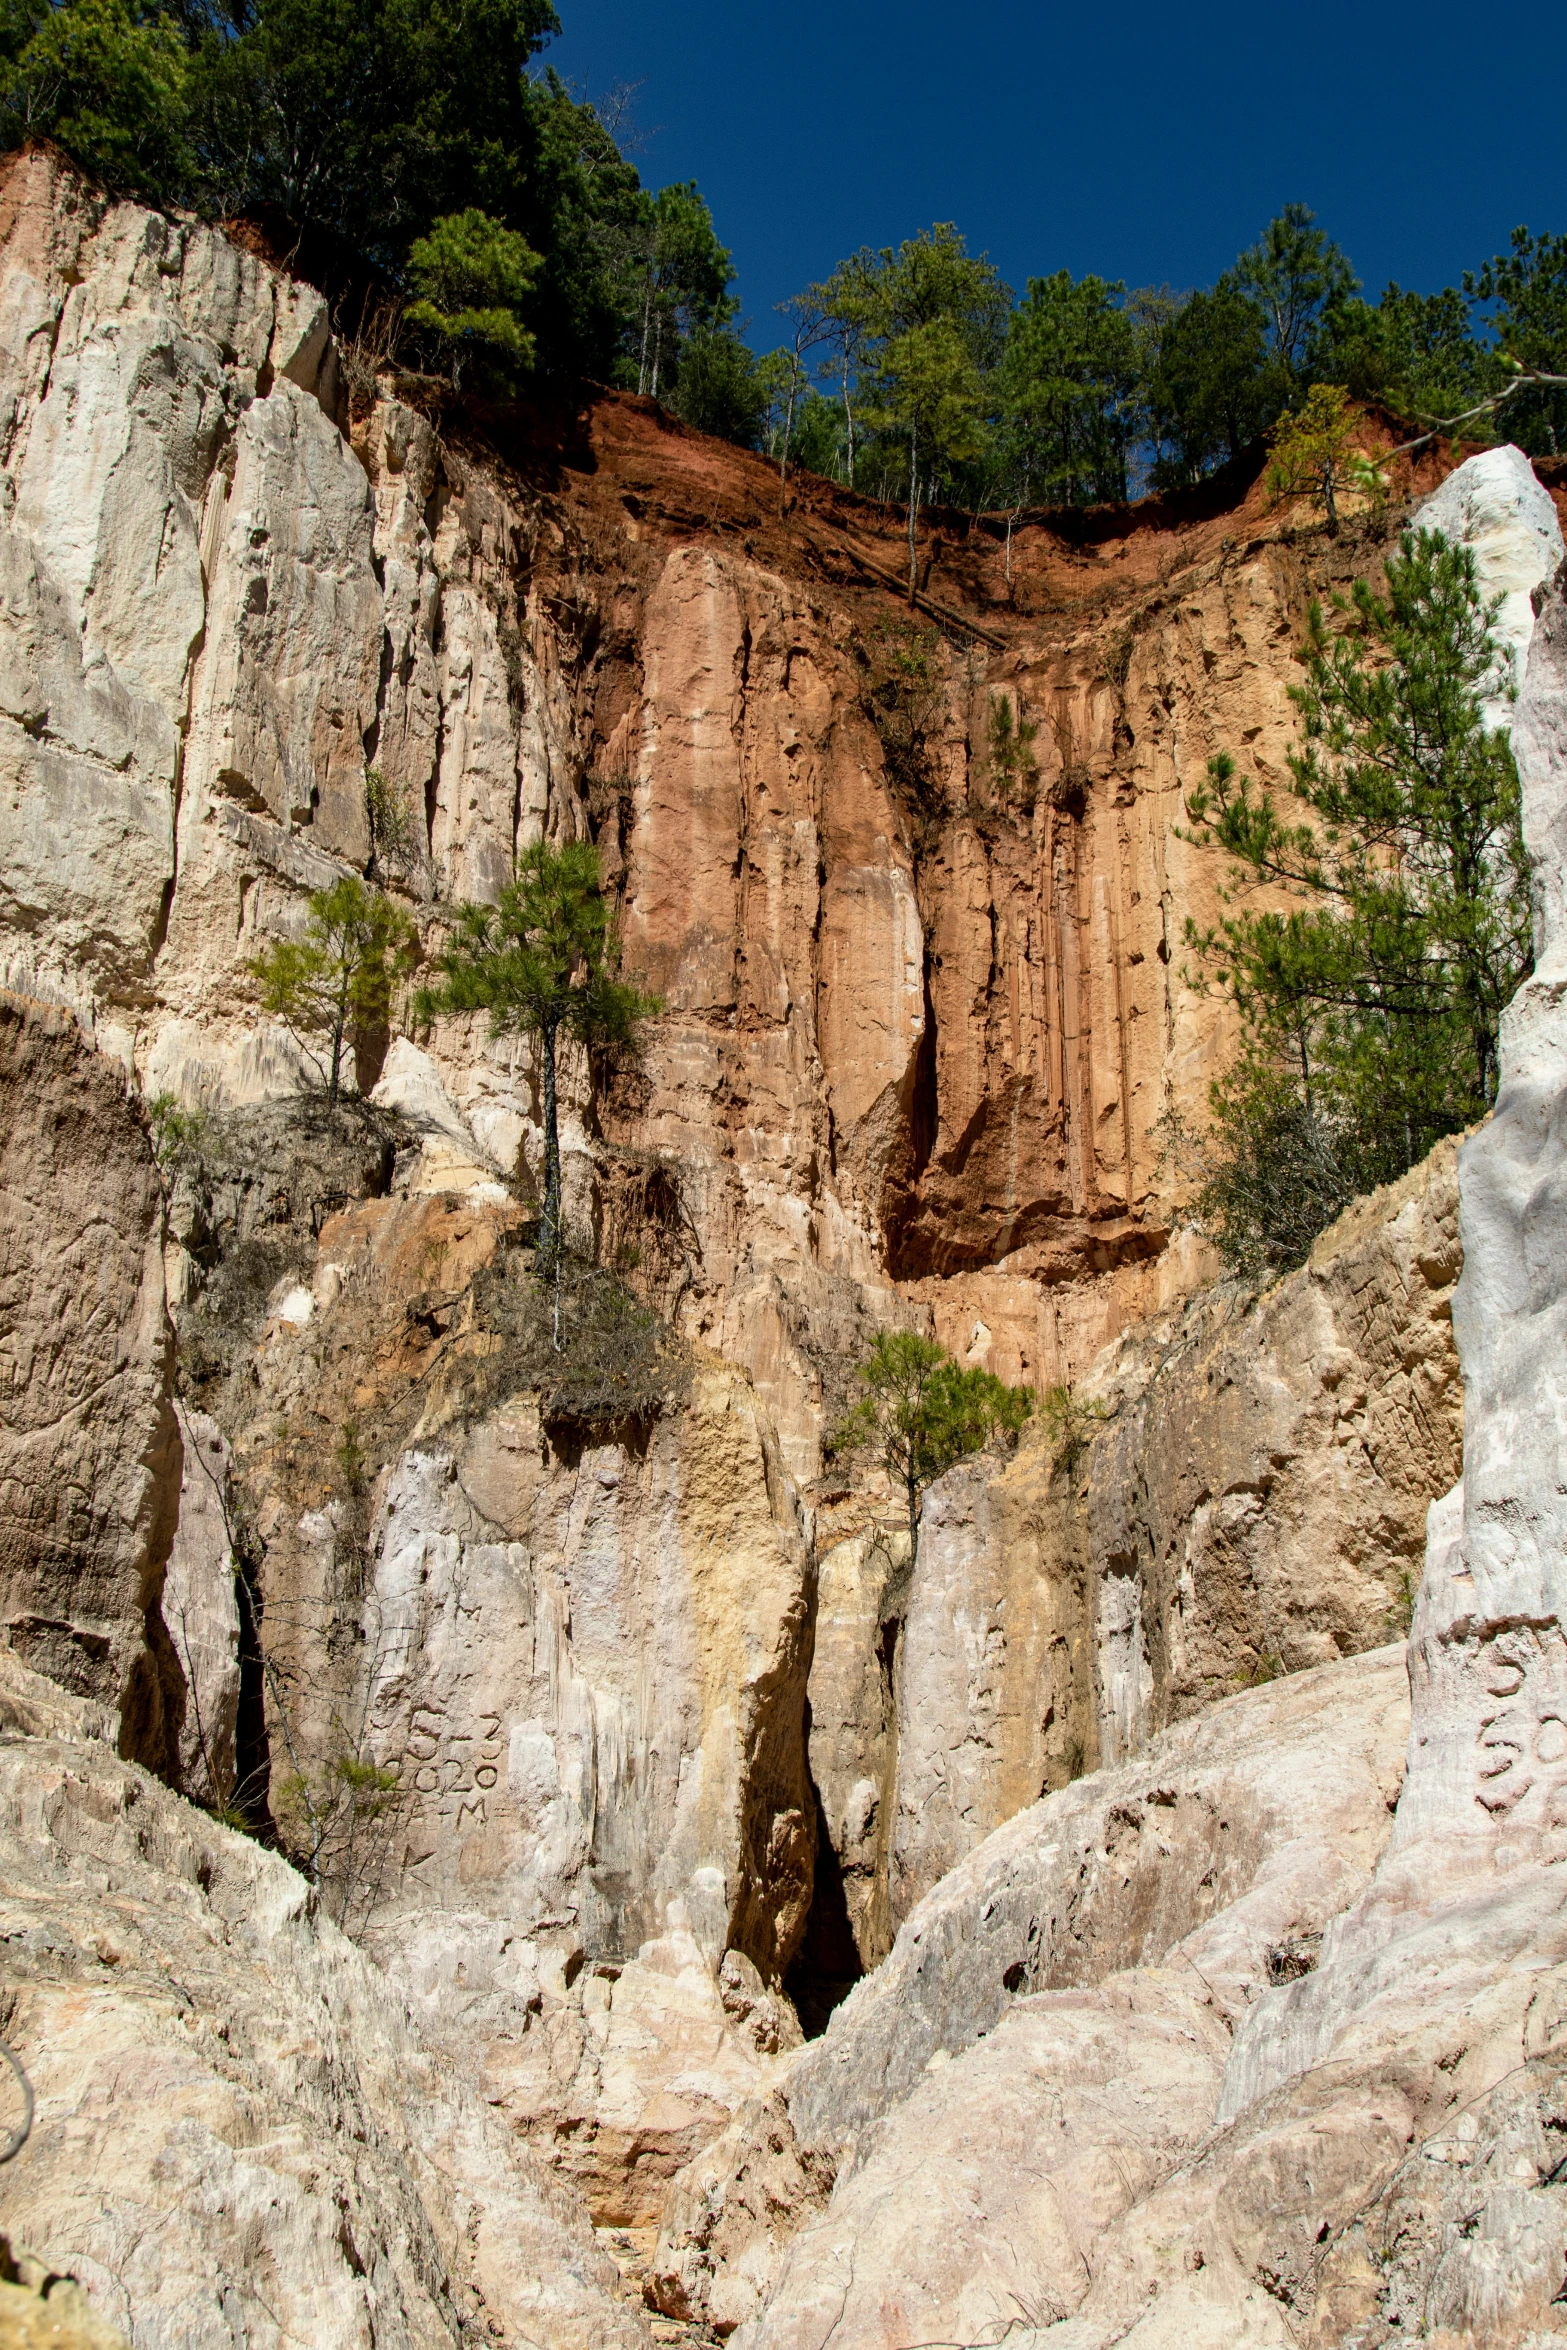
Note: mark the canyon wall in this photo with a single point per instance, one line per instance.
(534, 1685)
(923, 1023)
(1242, 1493)
(89, 1447)
(1315, 2119)
(1050, 2016)
(238, 2132)
(602, 1724)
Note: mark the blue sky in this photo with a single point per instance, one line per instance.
(1144, 143)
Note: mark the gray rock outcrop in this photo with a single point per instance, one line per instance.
(201, 1614)
(1495, 504)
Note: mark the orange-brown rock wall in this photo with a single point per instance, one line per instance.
(924, 1023)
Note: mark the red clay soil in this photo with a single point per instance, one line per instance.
(617, 457)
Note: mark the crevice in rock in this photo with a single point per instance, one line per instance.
(160, 930)
(372, 734)
(252, 1746)
(900, 1203)
(432, 782)
(826, 1967)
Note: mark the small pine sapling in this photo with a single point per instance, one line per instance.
(341, 976)
(1313, 454)
(921, 1413)
(544, 963)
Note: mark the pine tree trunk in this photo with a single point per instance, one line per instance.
(647, 323)
(914, 445)
(339, 1023)
(549, 1229)
(783, 454)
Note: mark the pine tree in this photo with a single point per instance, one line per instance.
(543, 963)
(472, 276)
(1067, 387)
(340, 977)
(1371, 1008)
(1294, 272)
(1313, 453)
(921, 1413)
(929, 320)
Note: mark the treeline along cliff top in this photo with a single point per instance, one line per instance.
(480, 219)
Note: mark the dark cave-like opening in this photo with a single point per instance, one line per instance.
(826, 1967)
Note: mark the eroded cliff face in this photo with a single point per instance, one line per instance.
(1243, 1494)
(567, 1661)
(1367, 2147)
(1051, 2017)
(238, 2129)
(922, 1022)
(599, 1730)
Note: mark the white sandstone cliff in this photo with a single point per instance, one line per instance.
(239, 2133)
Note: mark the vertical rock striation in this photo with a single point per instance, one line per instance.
(1253, 1502)
(1375, 2153)
(922, 1022)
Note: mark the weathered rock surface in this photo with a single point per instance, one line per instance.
(40, 2310)
(1257, 1502)
(1259, 1499)
(1226, 1847)
(1496, 505)
(581, 1650)
(920, 1033)
(89, 1449)
(1381, 2154)
(1254, 1503)
(1539, 734)
(238, 2132)
(1453, 1968)
(592, 1669)
(201, 1615)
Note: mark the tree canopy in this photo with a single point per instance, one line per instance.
(929, 320)
(1314, 453)
(1293, 272)
(369, 123)
(472, 278)
(922, 1413)
(1067, 389)
(375, 126)
(1086, 390)
(334, 986)
(685, 280)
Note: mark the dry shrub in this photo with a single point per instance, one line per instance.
(597, 1355)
